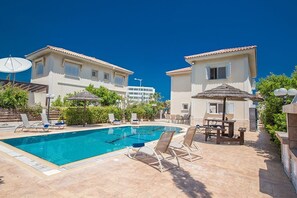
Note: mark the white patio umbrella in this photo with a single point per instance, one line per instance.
(14, 65)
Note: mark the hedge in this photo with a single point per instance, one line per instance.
(92, 115)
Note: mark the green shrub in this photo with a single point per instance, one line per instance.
(58, 102)
(93, 115)
(13, 97)
(32, 111)
(77, 116)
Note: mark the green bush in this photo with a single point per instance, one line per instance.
(32, 111)
(93, 115)
(13, 97)
(77, 116)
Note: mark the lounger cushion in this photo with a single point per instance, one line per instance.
(137, 145)
(59, 123)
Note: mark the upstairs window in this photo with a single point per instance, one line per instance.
(71, 69)
(39, 68)
(119, 80)
(106, 76)
(219, 71)
(94, 73)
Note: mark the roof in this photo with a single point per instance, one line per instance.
(221, 51)
(77, 55)
(185, 70)
(226, 91)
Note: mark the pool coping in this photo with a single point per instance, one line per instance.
(48, 169)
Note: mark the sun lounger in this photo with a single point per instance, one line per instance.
(112, 120)
(159, 151)
(134, 119)
(59, 125)
(27, 125)
(187, 146)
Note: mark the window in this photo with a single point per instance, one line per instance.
(119, 80)
(94, 73)
(215, 108)
(185, 106)
(218, 108)
(218, 73)
(71, 69)
(106, 76)
(39, 68)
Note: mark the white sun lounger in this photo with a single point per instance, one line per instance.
(59, 125)
(159, 151)
(134, 119)
(112, 120)
(27, 125)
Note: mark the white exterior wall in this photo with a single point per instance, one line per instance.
(180, 94)
(239, 78)
(61, 85)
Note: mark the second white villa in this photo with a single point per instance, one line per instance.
(235, 66)
(65, 71)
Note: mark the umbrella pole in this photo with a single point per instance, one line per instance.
(84, 122)
(224, 109)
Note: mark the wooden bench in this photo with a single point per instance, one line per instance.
(239, 139)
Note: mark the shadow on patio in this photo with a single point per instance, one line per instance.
(1, 180)
(191, 187)
(273, 181)
(181, 178)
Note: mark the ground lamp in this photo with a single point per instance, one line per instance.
(284, 93)
(48, 98)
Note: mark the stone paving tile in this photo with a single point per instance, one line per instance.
(251, 170)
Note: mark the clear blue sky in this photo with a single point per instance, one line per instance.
(152, 37)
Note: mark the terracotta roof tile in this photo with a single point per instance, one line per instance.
(180, 71)
(222, 51)
(78, 55)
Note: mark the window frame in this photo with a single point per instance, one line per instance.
(106, 79)
(183, 106)
(36, 67)
(72, 63)
(119, 76)
(216, 104)
(229, 106)
(217, 74)
(213, 71)
(96, 72)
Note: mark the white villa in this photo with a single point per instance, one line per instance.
(65, 71)
(235, 66)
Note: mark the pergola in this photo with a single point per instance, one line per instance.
(31, 87)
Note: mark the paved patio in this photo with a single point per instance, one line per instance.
(251, 170)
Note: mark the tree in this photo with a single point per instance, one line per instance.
(156, 97)
(106, 96)
(271, 108)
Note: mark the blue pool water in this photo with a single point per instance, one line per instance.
(69, 147)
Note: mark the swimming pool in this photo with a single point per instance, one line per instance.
(65, 148)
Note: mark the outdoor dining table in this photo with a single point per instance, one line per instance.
(221, 123)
